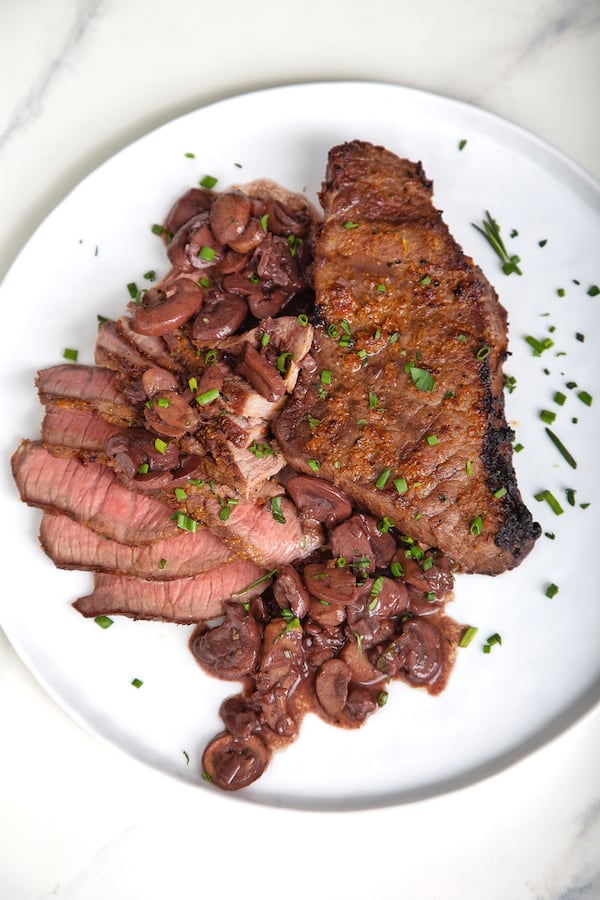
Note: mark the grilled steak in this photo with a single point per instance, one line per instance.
(73, 546)
(184, 600)
(406, 410)
(91, 494)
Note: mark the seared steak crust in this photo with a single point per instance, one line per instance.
(406, 411)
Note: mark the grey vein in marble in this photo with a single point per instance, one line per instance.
(30, 107)
(571, 16)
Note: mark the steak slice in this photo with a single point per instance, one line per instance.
(73, 546)
(90, 387)
(91, 494)
(408, 418)
(76, 430)
(184, 600)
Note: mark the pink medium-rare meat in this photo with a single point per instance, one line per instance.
(91, 494)
(183, 600)
(406, 410)
(71, 545)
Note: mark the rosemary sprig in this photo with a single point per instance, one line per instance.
(491, 232)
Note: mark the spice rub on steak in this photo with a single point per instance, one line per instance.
(405, 411)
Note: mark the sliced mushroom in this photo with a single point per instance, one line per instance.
(229, 216)
(183, 299)
(363, 671)
(416, 654)
(290, 592)
(317, 499)
(232, 649)
(259, 372)
(170, 415)
(331, 687)
(232, 763)
(186, 207)
(221, 315)
(331, 584)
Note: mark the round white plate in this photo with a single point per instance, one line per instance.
(498, 706)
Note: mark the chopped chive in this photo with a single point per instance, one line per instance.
(561, 448)
(425, 281)
(469, 467)
(551, 590)
(263, 221)
(265, 339)
(593, 290)
(137, 683)
(282, 362)
(559, 398)
(432, 440)
(546, 415)
(539, 346)
(585, 397)
(384, 525)
(207, 397)
(143, 469)
(382, 480)
(180, 494)
(186, 523)
(560, 292)
(476, 525)
(253, 584)
(491, 232)
(401, 485)
(208, 182)
(163, 402)
(570, 495)
(276, 510)
(303, 319)
(132, 289)
(462, 144)
(103, 621)
(373, 401)
(518, 447)
(325, 376)
(157, 229)
(468, 636)
(551, 500)
(150, 275)
(483, 352)
(349, 225)
(381, 288)
(314, 464)
(207, 253)
(500, 493)
(162, 563)
(160, 445)
(69, 353)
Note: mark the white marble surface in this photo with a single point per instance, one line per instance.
(82, 78)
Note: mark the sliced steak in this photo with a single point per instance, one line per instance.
(91, 387)
(406, 410)
(73, 546)
(76, 430)
(91, 494)
(184, 600)
(268, 531)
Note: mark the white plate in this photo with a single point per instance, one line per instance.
(497, 707)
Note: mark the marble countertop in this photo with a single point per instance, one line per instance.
(79, 819)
